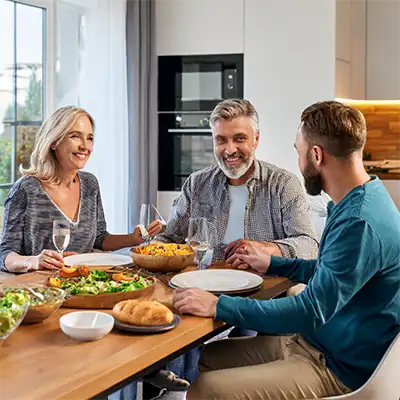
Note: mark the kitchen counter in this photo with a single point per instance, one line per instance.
(386, 169)
(386, 175)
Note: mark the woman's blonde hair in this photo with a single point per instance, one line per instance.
(43, 163)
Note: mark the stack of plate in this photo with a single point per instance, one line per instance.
(218, 281)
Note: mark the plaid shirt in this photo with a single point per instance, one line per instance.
(276, 210)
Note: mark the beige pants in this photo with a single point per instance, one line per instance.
(264, 367)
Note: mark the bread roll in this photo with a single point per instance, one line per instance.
(142, 312)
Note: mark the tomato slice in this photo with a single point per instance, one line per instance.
(68, 272)
(54, 282)
(83, 270)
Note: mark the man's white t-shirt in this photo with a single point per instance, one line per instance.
(238, 196)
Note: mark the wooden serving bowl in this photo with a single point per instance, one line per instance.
(161, 263)
(107, 300)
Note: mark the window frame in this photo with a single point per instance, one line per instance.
(48, 68)
(50, 48)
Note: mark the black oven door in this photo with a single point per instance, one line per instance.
(198, 83)
(185, 146)
(193, 151)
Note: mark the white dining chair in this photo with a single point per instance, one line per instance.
(384, 384)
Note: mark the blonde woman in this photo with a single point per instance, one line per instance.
(54, 187)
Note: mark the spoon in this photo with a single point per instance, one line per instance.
(38, 295)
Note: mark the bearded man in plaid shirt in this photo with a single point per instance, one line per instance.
(244, 199)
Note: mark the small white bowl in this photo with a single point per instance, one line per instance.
(86, 325)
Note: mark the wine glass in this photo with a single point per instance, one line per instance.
(148, 214)
(198, 238)
(61, 235)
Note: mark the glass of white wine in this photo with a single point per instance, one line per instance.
(61, 235)
(198, 238)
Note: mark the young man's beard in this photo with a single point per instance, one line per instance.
(312, 179)
(232, 172)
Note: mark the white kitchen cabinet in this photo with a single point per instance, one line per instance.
(383, 49)
(343, 30)
(351, 22)
(187, 27)
(343, 79)
(289, 63)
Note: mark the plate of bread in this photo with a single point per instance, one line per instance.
(144, 316)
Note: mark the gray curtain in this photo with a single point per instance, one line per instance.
(142, 106)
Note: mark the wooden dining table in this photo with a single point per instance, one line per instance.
(41, 362)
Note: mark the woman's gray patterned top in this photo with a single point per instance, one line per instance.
(29, 214)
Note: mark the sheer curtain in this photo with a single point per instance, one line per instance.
(91, 72)
(142, 104)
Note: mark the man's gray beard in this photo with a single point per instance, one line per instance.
(235, 173)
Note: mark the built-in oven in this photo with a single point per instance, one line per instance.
(189, 87)
(198, 83)
(185, 146)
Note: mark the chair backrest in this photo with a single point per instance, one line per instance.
(318, 212)
(384, 383)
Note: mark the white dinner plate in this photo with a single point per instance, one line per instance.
(217, 280)
(97, 259)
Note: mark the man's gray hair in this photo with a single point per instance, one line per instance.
(234, 108)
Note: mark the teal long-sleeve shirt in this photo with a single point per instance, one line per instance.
(350, 309)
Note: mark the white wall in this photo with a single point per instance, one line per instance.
(351, 22)
(199, 26)
(289, 63)
(383, 49)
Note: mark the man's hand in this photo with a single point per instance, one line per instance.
(155, 227)
(255, 255)
(195, 301)
(242, 246)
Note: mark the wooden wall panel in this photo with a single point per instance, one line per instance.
(383, 129)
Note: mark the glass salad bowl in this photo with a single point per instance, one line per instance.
(13, 308)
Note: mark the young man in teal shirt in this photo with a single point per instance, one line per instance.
(349, 313)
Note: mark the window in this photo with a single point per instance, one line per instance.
(22, 87)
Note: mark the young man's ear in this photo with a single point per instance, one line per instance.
(317, 154)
